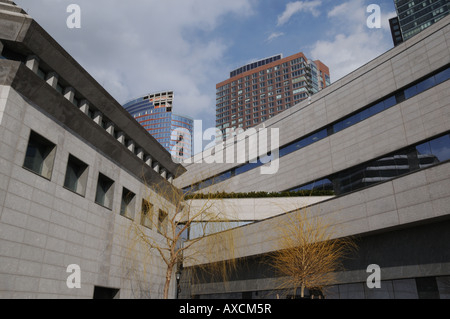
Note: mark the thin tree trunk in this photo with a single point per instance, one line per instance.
(167, 283)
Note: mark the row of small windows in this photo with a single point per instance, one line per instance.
(336, 127)
(225, 102)
(296, 63)
(254, 65)
(263, 86)
(71, 95)
(258, 105)
(158, 118)
(422, 10)
(248, 117)
(40, 157)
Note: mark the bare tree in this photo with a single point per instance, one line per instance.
(308, 254)
(180, 226)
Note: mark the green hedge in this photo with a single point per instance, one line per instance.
(223, 195)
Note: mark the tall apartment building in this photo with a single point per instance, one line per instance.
(154, 112)
(259, 90)
(415, 16)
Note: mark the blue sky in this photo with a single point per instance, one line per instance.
(142, 46)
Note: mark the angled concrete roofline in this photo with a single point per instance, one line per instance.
(20, 32)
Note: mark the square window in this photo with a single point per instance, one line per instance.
(146, 214)
(40, 155)
(128, 203)
(106, 293)
(76, 176)
(162, 222)
(105, 191)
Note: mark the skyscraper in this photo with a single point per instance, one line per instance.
(259, 90)
(154, 112)
(415, 16)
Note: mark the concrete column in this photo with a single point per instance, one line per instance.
(69, 94)
(121, 137)
(110, 128)
(164, 173)
(32, 63)
(98, 117)
(52, 79)
(140, 153)
(84, 107)
(156, 167)
(131, 145)
(170, 179)
(1, 47)
(148, 160)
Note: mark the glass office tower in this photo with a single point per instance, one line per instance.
(173, 131)
(417, 15)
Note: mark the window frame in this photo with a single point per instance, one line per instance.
(81, 175)
(108, 194)
(47, 152)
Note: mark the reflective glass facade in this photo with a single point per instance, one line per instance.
(423, 157)
(417, 15)
(154, 113)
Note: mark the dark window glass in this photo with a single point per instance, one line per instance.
(40, 155)
(206, 183)
(127, 203)
(386, 168)
(76, 175)
(323, 184)
(440, 148)
(442, 76)
(427, 288)
(105, 293)
(389, 102)
(410, 92)
(146, 214)
(425, 84)
(224, 176)
(162, 222)
(365, 114)
(105, 190)
(246, 167)
(377, 108)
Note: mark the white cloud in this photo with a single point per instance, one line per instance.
(274, 35)
(355, 44)
(298, 6)
(141, 46)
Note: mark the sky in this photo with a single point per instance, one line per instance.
(137, 47)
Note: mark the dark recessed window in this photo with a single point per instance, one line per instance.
(40, 155)
(146, 214)
(76, 176)
(427, 288)
(105, 191)
(162, 222)
(105, 293)
(128, 203)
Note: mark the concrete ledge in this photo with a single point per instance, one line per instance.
(383, 207)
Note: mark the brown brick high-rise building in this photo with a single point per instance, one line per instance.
(259, 90)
